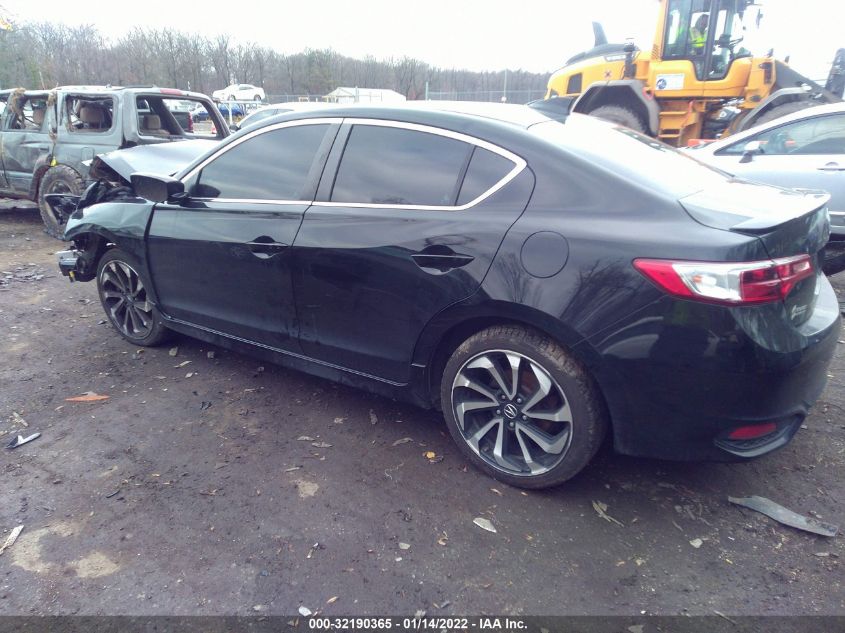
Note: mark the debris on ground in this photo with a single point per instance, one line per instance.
(313, 549)
(601, 510)
(182, 364)
(696, 543)
(498, 492)
(484, 524)
(373, 417)
(785, 516)
(444, 538)
(321, 445)
(331, 600)
(210, 355)
(88, 396)
(304, 612)
(432, 457)
(17, 419)
(305, 438)
(339, 420)
(404, 440)
(10, 540)
(174, 351)
(404, 546)
(20, 440)
(443, 604)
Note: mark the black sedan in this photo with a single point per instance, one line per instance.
(544, 283)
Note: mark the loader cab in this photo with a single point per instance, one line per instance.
(706, 32)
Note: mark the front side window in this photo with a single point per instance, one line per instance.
(272, 165)
(397, 166)
(27, 114)
(818, 135)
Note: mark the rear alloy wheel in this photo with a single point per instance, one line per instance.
(63, 180)
(620, 115)
(123, 294)
(521, 408)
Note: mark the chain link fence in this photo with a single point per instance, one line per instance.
(499, 96)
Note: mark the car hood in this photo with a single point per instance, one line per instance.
(164, 159)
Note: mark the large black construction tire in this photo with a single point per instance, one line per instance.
(58, 179)
(521, 408)
(123, 294)
(783, 110)
(621, 115)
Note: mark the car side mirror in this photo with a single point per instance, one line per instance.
(751, 148)
(234, 127)
(158, 188)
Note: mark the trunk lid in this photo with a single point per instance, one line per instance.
(788, 222)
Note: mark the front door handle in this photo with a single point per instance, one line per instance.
(264, 247)
(440, 258)
(832, 166)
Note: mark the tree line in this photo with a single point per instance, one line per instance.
(43, 55)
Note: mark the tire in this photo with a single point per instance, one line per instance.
(119, 281)
(573, 423)
(782, 110)
(621, 115)
(58, 179)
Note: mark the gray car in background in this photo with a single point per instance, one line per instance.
(804, 150)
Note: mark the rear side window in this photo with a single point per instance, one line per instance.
(387, 165)
(87, 114)
(485, 169)
(273, 165)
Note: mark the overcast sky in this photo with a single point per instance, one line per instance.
(475, 34)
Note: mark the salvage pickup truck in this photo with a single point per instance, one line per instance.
(48, 138)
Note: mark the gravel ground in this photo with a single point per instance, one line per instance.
(208, 484)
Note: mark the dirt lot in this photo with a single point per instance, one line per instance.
(192, 490)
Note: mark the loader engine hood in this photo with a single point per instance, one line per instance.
(165, 159)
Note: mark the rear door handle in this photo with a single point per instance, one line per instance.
(832, 167)
(265, 246)
(440, 258)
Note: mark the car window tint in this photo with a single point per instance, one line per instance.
(270, 166)
(485, 169)
(817, 135)
(386, 165)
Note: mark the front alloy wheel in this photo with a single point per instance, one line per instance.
(123, 294)
(125, 300)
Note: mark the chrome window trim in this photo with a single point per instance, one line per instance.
(252, 134)
(519, 165)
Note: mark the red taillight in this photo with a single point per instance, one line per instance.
(728, 283)
(753, 431)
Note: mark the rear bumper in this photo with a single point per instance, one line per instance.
(679, 376)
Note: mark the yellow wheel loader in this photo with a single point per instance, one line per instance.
(696, 82)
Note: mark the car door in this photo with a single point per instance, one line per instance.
(407, 221)
(26, 140)
(809, 153)
(220, 260)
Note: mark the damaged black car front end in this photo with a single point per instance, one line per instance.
(92, 226)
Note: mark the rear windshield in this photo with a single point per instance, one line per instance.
(633, 156)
